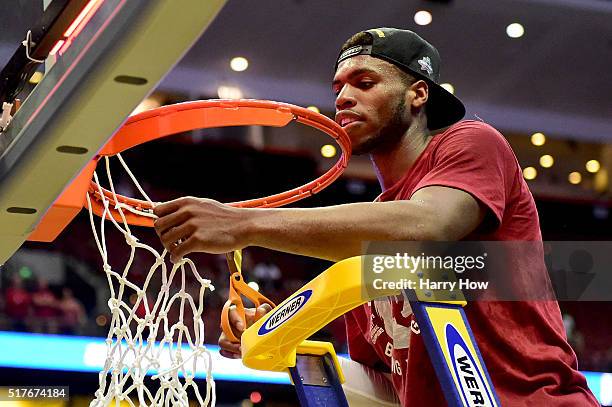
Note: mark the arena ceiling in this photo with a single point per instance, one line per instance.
(555, 79)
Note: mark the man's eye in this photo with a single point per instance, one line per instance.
(366, 84)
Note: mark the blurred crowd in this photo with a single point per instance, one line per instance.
(31, 306)
(76, 304)
(588, 338)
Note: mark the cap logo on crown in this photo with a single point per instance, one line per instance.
(425, 64)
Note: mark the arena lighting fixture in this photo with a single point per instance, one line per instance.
(593, 166)
(101, 320)
(515, 30)
(25, 272)
(538, 139)
(256, 397)
(422, 17)
(449, 88)
(57, 47)
(147, 104)
(229, 92)
(574, 178)
(530, 173)
(253, 285)
(328, 151)
(239, 64)
(314, 109)
(547, 161)
(75, 28)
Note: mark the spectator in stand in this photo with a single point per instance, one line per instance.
(18, 304)
(45, 308)
(72, 313)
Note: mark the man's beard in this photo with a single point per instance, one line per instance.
(389, 135)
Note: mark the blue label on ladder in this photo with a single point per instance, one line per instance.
(469, 378)
(285, 312)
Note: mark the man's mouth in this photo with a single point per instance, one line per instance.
(345, 119)
(345, 122)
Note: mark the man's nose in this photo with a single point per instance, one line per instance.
(345, 99)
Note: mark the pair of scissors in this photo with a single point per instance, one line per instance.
(238, 288)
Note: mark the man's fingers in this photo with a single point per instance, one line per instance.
(225, 343)
(165, 223)
(236, 321)
(166, 208)
(182, 249)
(169, 213)
(255, 314)
(251, 315)
(262, 310)
(229, 355)
(182, 232)
(265, 308)
(231, 348)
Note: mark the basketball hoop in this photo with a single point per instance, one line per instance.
(132, 352)
(169, 120)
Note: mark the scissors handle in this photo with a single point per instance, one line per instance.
(238, 288)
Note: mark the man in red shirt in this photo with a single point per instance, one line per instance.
(462, 183)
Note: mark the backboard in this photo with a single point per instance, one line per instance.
(118, 58)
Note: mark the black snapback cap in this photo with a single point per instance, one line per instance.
(408, 51)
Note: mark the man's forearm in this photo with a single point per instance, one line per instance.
(189, 224)
(337, 232)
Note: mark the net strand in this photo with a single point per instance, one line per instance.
(131, 348)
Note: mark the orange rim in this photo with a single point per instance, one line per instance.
(178, 118)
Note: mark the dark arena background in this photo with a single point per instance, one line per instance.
(537, 70)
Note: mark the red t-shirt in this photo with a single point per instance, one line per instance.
(523, 343)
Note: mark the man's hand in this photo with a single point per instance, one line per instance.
(230, 349)
(189, 224)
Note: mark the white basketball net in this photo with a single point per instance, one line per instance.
(131, 348)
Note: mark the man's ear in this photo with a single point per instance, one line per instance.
(419, 92)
